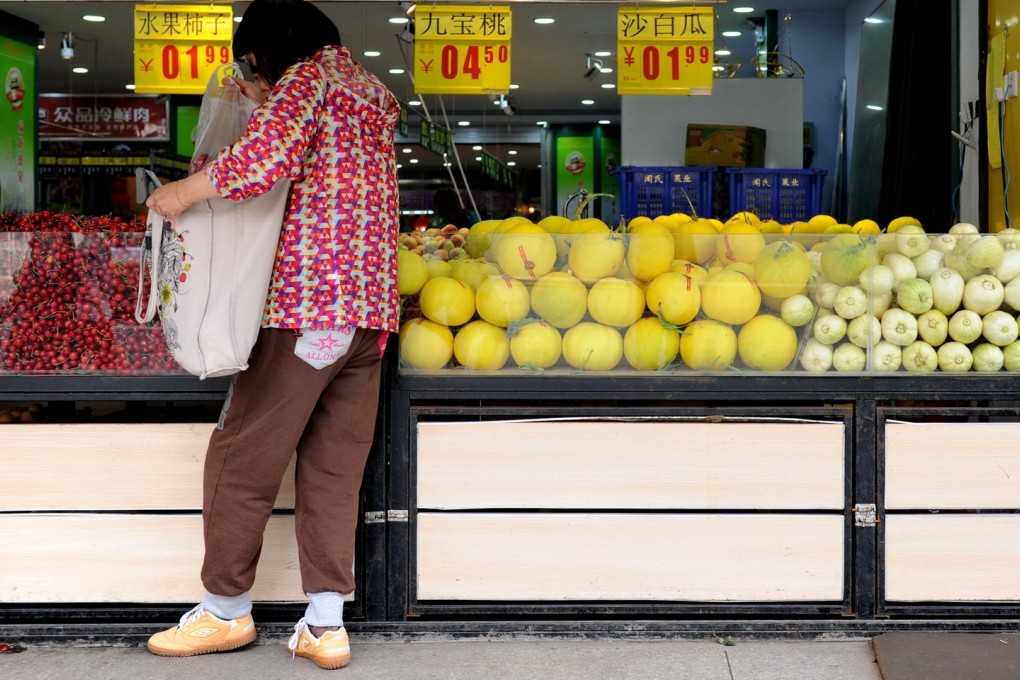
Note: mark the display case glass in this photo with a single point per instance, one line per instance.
(68, 288)
(675, 295)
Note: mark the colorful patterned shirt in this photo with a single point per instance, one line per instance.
(336, 264)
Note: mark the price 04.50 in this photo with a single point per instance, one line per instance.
(189, 63)
(469, 61)
(656, 63)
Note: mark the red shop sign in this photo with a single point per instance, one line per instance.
(111, 117)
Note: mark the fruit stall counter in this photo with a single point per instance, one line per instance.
(781, 431)
(777, 502)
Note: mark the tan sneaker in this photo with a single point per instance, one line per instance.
(199, 632)
(332, 650)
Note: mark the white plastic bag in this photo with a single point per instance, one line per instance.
(222, 117)
(210, 267)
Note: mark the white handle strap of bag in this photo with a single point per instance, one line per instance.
(150, 252)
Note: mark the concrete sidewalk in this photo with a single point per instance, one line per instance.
(470, 659)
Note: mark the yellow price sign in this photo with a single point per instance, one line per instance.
(462, 50)
(178, 47)
(665, 50)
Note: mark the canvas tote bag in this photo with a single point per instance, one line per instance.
(210, 268)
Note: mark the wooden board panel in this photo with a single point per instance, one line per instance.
(566, 556)
(94, 466)
(127, 558)
(952, 465)
(613, 465)
(959, 557)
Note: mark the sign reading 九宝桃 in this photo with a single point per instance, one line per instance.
(665, 50)
(462, 50)
(177, 47)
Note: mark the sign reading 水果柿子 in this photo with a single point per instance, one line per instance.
(179, 47)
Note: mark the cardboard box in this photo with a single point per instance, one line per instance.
(725, 145)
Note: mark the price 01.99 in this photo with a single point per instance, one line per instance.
(452, 63)
(652, 59)
(191, 60)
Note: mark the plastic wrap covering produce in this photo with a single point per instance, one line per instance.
(675, 294)
(67, 297)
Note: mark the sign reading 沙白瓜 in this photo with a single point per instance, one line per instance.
(462, 50)
(178, 47)
(665, 50)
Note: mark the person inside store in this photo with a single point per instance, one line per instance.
(334, 291)
(447, 209)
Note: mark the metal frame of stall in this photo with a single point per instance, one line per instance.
(385, 602)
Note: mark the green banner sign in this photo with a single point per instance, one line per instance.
(17, 125)
(493, 168)
(435, 138)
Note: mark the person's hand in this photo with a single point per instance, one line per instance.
(256, 90)
(166, 200)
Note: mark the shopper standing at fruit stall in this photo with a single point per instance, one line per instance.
(448, 209)
(314, 375)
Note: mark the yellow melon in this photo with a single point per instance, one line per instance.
(425, 345)
(707, 345)
(674, 297)
(650, 250)
(616, 302)
(525, 251)
(481, 346)
(767, 343)
(535, 344)
(730, 296)
(782, 269)
(650, 346)
(591, 346)
(560, 299)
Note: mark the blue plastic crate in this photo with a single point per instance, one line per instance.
(783, 195)
(654, 191)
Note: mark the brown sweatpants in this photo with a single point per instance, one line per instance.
(279, 405)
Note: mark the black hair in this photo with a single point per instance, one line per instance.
(280, 33)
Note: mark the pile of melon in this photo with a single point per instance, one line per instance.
(670, 293)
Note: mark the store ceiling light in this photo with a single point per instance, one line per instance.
(605, 122)
(608, 86)
(545, 20)
(743, 10)
(588, 102)
(731, 34)
(79, 69)
(398, 20)
(95, 18)
(463, 123)
(603, 53)
(129, 86)
(372, 53)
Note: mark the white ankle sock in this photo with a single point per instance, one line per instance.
(325, 609)
(227, 607)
